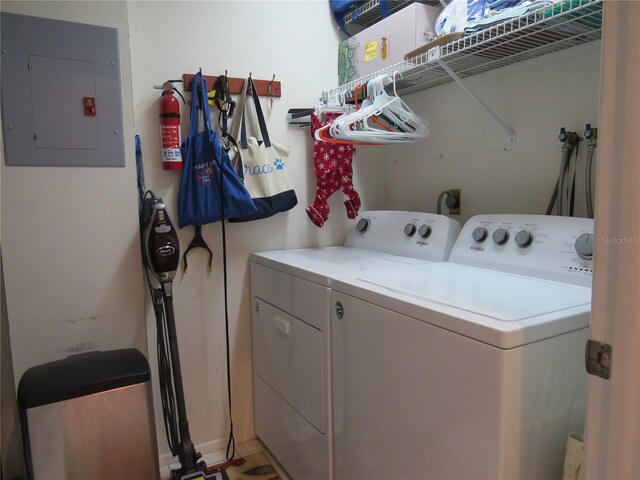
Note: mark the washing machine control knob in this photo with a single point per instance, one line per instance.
(363, 225)
(424, 231)
(500, 236)
(524, 238)
(584, 246)
(479, 234)
(409, 229)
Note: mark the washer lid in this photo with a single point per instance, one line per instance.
(501, 296)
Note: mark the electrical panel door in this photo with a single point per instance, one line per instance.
(61, 93)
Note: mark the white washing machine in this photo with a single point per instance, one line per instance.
(290, 327)
(469, 369)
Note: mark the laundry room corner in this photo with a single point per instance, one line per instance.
(296, 43)
(71, 235)
(318, 239)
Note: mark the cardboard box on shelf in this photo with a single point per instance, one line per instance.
(386, 42)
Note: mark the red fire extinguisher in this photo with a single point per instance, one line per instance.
(170, 128)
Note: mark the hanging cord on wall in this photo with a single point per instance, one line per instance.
(231, 442)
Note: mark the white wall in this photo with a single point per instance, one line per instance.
(70, 245)
(297, 42)
(70, 242)
(466, 148)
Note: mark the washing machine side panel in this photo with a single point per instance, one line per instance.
(543, 398)
(411, 400)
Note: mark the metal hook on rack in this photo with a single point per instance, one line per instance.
(270, 91)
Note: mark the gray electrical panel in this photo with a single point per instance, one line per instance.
(61, 93)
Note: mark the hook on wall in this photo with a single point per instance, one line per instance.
(270, 91)
(249, 91)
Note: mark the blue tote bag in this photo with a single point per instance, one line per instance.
(210, 189)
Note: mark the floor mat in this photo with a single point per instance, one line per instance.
(255, 467)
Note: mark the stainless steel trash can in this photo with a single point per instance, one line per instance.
(90, 417)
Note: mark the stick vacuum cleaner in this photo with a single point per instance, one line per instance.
(161, 254)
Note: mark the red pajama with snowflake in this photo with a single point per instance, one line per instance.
(333, 170)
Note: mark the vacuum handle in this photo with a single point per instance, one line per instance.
(163, 248)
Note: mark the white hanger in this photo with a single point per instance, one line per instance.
(364, 126)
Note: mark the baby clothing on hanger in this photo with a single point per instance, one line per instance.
(333, 170)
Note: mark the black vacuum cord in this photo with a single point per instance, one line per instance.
(231, 443)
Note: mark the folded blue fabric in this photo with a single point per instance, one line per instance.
(475, 10)
(502, 4)
(458, 14)
(505, 15)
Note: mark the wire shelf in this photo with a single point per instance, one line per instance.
(367, 14)
(541, 32)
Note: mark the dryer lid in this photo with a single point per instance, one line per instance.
(501, 296)
(319, 265)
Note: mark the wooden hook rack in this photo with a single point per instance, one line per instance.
(235, 85)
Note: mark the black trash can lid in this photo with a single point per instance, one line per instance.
(80, 375)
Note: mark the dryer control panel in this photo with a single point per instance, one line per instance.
(541, 246)
(411, 234)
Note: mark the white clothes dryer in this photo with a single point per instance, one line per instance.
(469, 369)
(290, 327)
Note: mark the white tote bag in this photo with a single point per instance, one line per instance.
(260, 161)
